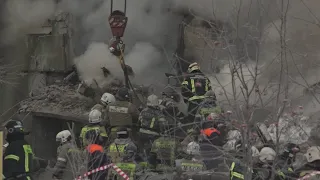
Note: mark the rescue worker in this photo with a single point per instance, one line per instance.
(191, 162)
(238, 167)
(106, 99)
(63, 168)
(95, 118)
(122, 113)
(119, 148)
(123, 153)
(96, 155)
(209, 105)
(169, 103)
(18, 157)
(210, 143)
(313, 162)
(169, 106)
(286, 159)
(211, 134)
(149, 120)
(194, 88)
(164, 151)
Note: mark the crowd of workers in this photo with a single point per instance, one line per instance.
(157, 138)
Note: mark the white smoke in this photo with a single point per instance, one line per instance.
(90, 63)
(150, 38)
(23, 15)
(151, 34)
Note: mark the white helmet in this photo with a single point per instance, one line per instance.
(267, 154)
(95, 116)
(193, 148)
(255, 151)
(234, 134)
(107, 98)
(313, 153)
(193, 66)
(63, 136)
(152, 100)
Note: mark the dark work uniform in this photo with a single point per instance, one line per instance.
(97, 158)
(17, 159)
(194, 88)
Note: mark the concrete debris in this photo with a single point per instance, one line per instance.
(57, 99)
(292, 128)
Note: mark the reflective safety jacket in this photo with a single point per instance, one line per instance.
(17, 160)
(117, 149)
(185, 165)
(211, 132)
(236, 171)
(68, 155)
(87, 128)
(206, 108)
(282, 175)
(195, 86)
(149, 120)
(122, 113)
(166, 150)
(129, 168)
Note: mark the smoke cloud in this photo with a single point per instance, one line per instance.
(22, 15)
(152, 33)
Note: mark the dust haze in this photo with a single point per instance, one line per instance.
(152, 32)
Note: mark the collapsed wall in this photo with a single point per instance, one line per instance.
(57, 99)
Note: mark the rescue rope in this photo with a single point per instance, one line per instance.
(105, 167)
(310, 175)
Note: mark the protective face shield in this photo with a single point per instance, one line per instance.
(313, 154)
(267, 155)
(193, 148)
(63, 136)
(107, 98)
(152, 100)
(193, 67)
(122, 133)
(95, 116)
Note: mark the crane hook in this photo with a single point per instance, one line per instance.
(118, 20)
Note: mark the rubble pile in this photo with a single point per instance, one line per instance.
(292, 128)
(55, 99)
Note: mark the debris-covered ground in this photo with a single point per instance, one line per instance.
(56, 99)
